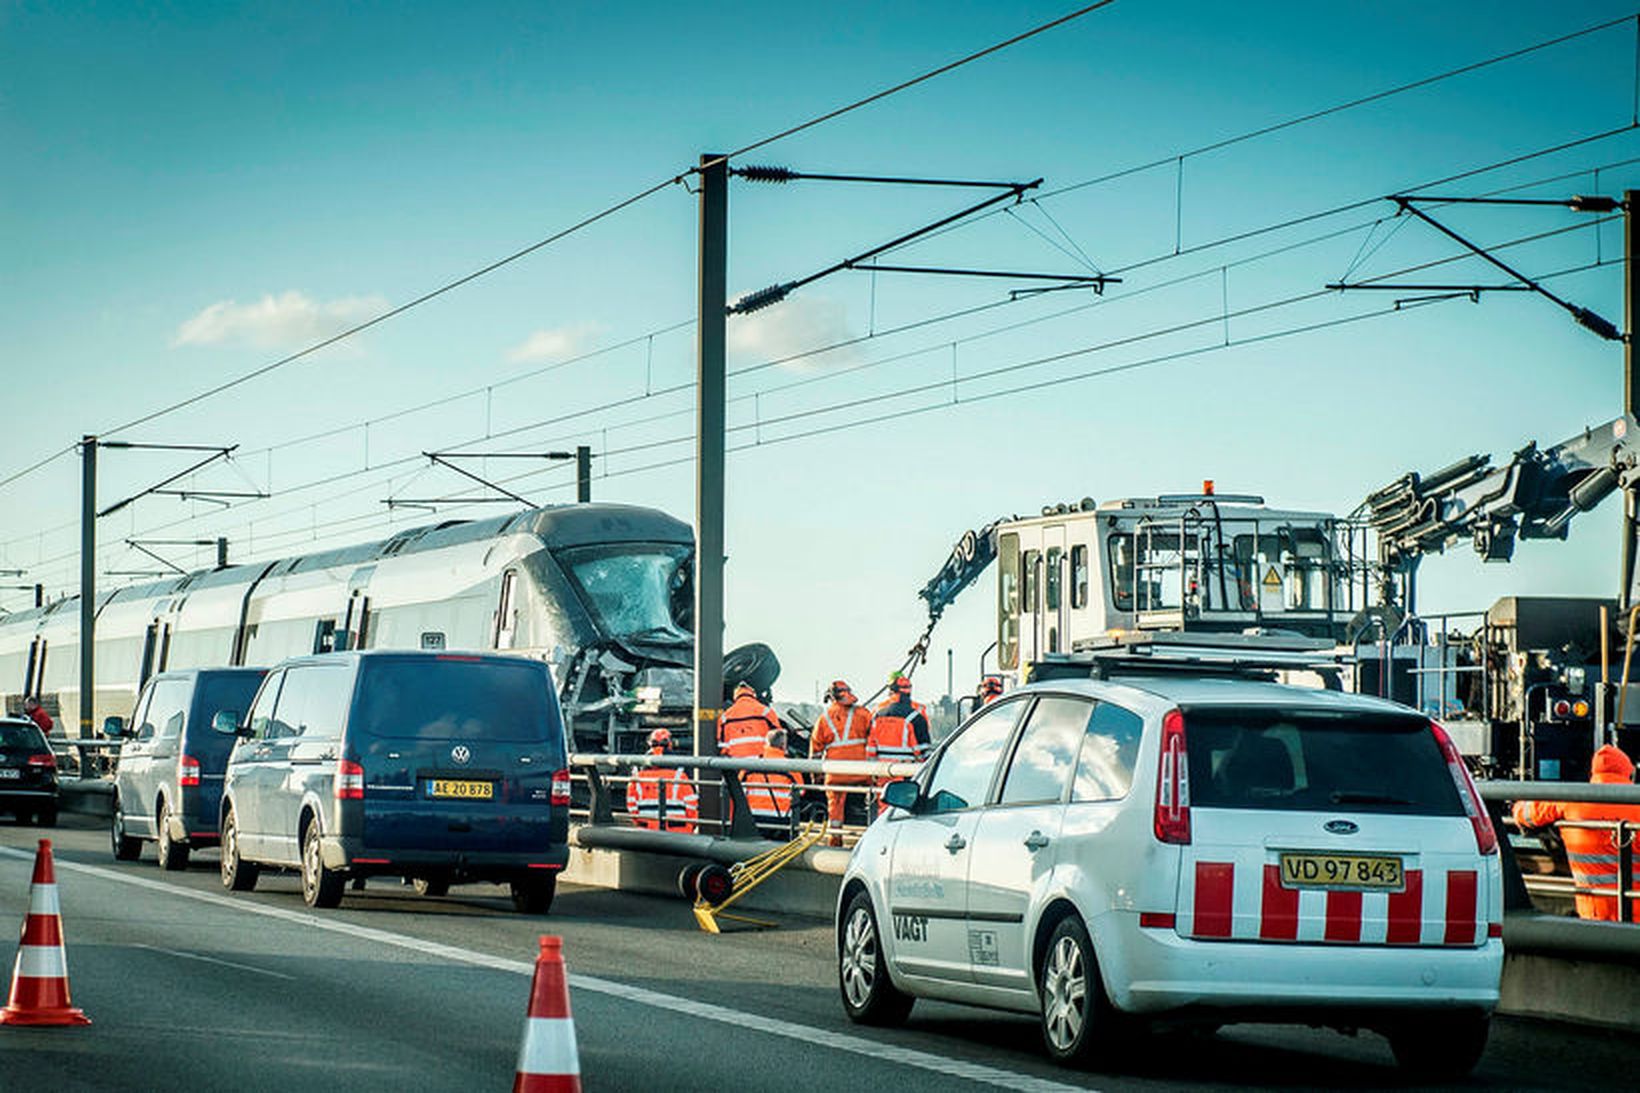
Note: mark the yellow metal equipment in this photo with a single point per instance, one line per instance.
(748, 874)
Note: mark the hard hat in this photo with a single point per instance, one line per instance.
(991, 685)
(901, 685)
(660, 738)
(838, 686)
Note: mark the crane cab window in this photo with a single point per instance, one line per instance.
(1031, 580)
(1052, 581)
(1121, 570)
(1079, 576)
(1008, 601)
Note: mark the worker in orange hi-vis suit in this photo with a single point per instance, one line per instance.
(840, 734)
(771, 793)
(745, 725)
(899, 731)
(1592, 851)
(645, 793)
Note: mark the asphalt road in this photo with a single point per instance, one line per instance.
(193, 988)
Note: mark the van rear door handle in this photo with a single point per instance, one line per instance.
(955, 843)
(1035, 841)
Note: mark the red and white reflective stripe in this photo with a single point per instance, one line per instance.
(42, 962)
(1253, 905)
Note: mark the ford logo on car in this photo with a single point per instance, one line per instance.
(1341, 827)
(462, 754)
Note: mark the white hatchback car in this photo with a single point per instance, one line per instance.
(1206, 850)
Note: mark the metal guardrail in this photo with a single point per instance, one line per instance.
(607, 775)
(1516, 895)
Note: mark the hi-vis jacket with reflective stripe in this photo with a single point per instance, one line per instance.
(744, 727)
(841, 733)
(899, 733)
(1591, 851)
(643, 798)
(768, 793)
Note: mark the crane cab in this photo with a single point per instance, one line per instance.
(1202, 563)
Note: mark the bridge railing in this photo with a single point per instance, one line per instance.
(1517, 894)
(728, 812)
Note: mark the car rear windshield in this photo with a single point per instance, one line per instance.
(1315, 761)
(446, 698)
(21, 737)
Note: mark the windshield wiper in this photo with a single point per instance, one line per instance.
(1358, 797)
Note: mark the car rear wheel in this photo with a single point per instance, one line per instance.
(431, 886)
(533, 895)
(173, 856)
(321, 887)
(1077, 1018)
(869, 998)
(1440, 1047)
(238, 875)
(125, 847)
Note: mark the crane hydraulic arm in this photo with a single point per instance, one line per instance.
(968, 560)
(1535, 495)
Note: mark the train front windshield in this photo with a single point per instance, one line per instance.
(638, 591)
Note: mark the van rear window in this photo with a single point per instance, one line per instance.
(438, 699)
(1317, 761)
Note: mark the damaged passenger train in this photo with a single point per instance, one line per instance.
(602, 592)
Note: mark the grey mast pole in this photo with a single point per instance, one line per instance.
(709, 445)
(88, 585)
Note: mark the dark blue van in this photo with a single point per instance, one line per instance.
(168, 783)
(439, 767)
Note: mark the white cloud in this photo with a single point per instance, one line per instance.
(289, 320)
(556, 344)
(798, 325)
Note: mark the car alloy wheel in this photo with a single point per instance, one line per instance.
(238, 875)
(125, 847)
(869, 998)
(321, 887)
(173, 856)
(1064, 995)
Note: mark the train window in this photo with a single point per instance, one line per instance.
(324, 636)
(1052, 581)
(1008, 601)
(1121, 570)
(1079, 576)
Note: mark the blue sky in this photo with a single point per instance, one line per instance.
(190, 191)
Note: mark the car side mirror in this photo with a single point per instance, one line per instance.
(226, 722)
(902, 793)
(113, 727)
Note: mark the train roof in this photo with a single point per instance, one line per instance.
(556, 526)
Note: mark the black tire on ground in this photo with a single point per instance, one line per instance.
(238, 875)
(431, 886)
(47, 816)
(533, 895)
(687, 879)
(125, 847)
(1078, 1021)
(172, 855)
(869, 996)
(321, 887)
(714, 883)
(1440, 1047)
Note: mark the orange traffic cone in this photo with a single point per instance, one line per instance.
(39, 984)
(547, 1061)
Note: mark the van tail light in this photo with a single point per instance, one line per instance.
(43, 759)
(1486, 839)
(560, 787)
(187, 771)
(1173, 783)
(349, 781)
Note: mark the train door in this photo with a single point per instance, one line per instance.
(1051, 609)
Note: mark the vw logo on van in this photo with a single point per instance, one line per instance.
(461, 754)
(1333, 827)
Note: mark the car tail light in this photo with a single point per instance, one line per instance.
(187, 771)
(1486, 839)
(43, 759)
(349, 781)
(1173, 783)
(560, 786)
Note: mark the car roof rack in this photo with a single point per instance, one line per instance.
(1253, 656)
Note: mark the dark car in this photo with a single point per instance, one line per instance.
(28, 772)
(168, 783)
(442, 768)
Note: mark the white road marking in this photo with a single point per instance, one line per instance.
(818, 1037)
(211, 960)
